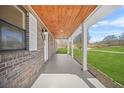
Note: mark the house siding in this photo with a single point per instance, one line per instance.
(22, 67)
(51, 48)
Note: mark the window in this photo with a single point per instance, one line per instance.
(12, 27)
(11, 37)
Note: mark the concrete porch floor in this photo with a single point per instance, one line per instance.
(63, 64)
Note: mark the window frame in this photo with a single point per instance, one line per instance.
(13, 26)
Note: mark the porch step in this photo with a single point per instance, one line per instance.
(59, 81)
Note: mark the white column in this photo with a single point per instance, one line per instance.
(84, 47)
(46, 46)
(55, 45)
(72, 52)
(68, 47)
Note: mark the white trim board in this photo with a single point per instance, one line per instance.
(32, 33)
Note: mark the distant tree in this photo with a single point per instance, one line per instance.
(121, 37)
(110, 38)
(78, 40)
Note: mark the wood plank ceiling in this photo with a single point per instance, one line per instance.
(62, 20)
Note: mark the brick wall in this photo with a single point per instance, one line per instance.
(21, 68)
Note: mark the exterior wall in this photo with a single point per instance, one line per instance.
(21, 68)
(11, 15)
(51, 47)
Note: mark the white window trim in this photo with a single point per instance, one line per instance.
(32, 33)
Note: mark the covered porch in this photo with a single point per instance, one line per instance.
(38, 65)
(68, 22)
(63, 71)
(61, 65)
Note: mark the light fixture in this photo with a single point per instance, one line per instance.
(43, 33)
(61, 31)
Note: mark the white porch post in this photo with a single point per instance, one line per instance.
(46, 46)
(72, 52)
(68, 47)
(84, 47)
(55, 45)
(95, 16)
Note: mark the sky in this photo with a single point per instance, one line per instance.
(112, 24)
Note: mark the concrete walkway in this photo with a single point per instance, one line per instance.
(62, 64)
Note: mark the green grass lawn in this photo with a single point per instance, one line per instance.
(112, 48)
(78, 54)
(62, 51)
(109, 63)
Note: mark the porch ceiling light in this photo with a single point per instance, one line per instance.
(61, 31)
